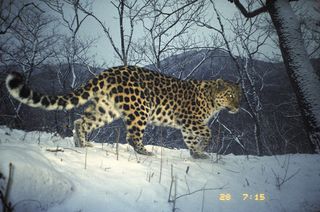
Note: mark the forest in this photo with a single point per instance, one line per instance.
(271, 48)
(263, 158)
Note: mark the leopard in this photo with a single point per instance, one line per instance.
(139, 97)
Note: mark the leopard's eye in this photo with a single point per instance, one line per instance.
(231, 96)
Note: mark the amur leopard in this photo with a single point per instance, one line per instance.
(139, 96)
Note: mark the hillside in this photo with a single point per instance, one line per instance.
(65, 181)
(282, 128)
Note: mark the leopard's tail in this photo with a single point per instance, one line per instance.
(15, 84)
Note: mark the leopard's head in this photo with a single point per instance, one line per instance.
(227, 95)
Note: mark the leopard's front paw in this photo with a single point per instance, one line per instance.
(143, 151)
(88, 144)
(199, 155)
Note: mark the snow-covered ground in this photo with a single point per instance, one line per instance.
(66, 181)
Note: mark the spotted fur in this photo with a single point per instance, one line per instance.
(140, 96)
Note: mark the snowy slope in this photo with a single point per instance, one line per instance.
(63, 181)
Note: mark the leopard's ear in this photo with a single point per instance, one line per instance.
(219, 84)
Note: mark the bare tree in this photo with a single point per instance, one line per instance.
(166, 22)
(10, 13)
(247, 41)
(310, 28)
(73, 48)
(30, 43)
(127, 14)
(132, 10)
(303, 77)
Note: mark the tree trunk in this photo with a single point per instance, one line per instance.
(304, 79)
(72, 64)
(123, 50)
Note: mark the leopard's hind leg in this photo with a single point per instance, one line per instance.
(136, 125)
(96, 115)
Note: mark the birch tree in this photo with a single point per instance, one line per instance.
(304, 79)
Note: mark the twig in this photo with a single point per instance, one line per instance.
(85, 158)
(187, 170)
(7, 206)
(173, 182)
(170, 189)
(281, 180)
(294, 174)
(149, 176)
(206, 189)
(8, 189)
(172, 179)
(185, 177)
(39, 140)
(161, 141)
(202, 202)
(174, 195)
(248, 184)
(117, 144)
(139, 195)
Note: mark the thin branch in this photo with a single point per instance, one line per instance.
(246, 13)
(4, 31)
(202, 189)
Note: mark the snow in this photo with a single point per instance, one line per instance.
(36, 183)
(65, 181)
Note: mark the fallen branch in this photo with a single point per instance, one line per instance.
(57, 149)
